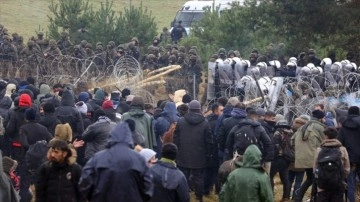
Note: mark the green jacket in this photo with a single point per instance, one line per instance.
(249, 183)
(307, 139)
(143, 125)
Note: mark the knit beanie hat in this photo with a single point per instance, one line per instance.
(354, 110)
(63, 132)
(186, 98)
(84, 96)
(25, 100)
(115, 95)
(125, 92)
(107, 104)
(169, 151)
(194, 104)
(318, 114)
(48, 107)
(137, 102)
(81, 107)
(147, 154)
(233, 101)
(9, 164)
(30, 114)
(99, 95)
(260, 112)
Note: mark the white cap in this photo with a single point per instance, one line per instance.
(147, 154)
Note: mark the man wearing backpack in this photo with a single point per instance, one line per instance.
(331, 168)
(247, 132)
(350, 138)
(283, 152)
(307, 139)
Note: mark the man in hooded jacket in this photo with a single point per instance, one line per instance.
(143, 121)
(163, 122)
(67, 113)
(117, 173)
(249, 183)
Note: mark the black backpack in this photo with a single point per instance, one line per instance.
(36, 155)
(329, 172)
(284, 146)
(243, 137)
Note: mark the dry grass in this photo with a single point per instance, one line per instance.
(27, 16)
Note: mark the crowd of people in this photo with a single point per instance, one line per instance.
(112, 146)
(92, 146)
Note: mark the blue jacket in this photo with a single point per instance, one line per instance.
(162, 124)
(117, 173)
(170, 184)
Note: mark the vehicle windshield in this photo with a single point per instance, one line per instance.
(188, 17)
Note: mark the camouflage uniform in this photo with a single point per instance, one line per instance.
(41, 42)
(51, 53)
(64, 44)
(29, 56)
(165, 36)
(8, 55)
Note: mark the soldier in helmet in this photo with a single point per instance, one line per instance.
(150, 63)
(51, 53)
(312, 58)
(133, 48)
(231, 54)
(156, 41)
(88, 50)
(194, 69)
(222, 53)
(64, 43)
(41, 41)
(164, 57)
(30, 56)
(8, 55)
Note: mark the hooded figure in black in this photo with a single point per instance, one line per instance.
(117, 173)
(67, 113)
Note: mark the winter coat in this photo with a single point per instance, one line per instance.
(117, 173)
(96, 136)
(170, 184)
(7, 191)
(249, 183)
(49, 120)
(67, 113)
(163, 122)
(344, 155)
(44, 89)
(349, 136)
(193, 138)
(32, 132)
(307, 139)
(16, 120)
(5, 104)
(58, 182)
(264, 141)
(212, 119)
(94, 105)
(144, 125)
(236, 116)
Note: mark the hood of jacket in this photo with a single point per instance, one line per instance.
(9, 89)
(352, 122)
(331, 143)
(67, 98)
(44, 89)
(170, 112)
(120, 134)
(194, 118)
(136, 112)
(252, 157)
(238, 113)
(227, 111)
(5, 103)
